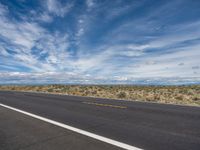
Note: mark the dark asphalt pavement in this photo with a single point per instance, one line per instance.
(21, 132)
(144, 125)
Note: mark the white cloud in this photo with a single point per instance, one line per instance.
(3, 10)
(119, 9)
(58, 8)
(25, 37)
(37, 78)
(102, 59)
(175, 38)
(80, 32)
(3, 52)
(128, 52)
(64, 77)
(167, 65)
(82, 25)
(90, 3)
(36, 15)
(45, 17)
(23, 34)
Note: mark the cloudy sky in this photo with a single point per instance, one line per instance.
(99, 41)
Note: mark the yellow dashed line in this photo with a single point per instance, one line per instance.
(105, 105)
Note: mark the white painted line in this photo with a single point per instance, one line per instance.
(80, 131)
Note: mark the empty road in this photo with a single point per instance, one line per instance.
(142, 125)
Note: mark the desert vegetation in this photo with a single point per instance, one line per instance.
(187, 95)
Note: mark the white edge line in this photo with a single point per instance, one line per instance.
(77, 130)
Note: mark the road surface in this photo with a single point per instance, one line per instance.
(142, 125)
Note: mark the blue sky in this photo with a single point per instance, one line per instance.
(100, 41)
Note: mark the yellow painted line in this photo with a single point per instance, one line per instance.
(105, 105)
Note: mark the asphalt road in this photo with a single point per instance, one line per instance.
(21, 132)
(143, 125)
